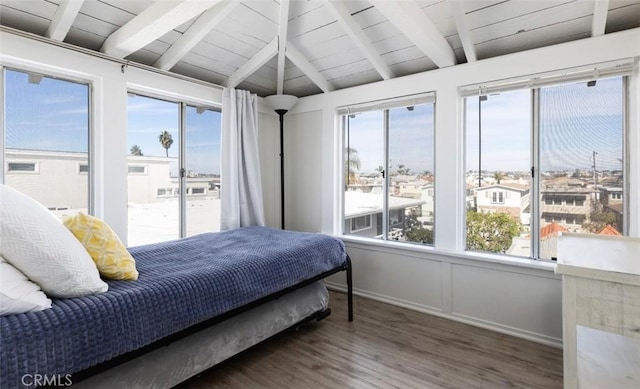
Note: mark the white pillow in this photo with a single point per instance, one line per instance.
(35, 242)
(17, 293)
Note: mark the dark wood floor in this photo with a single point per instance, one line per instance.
(388, 347)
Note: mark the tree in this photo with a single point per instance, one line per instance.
(403, 170)
(414, 231)
(599, 220)
(491, 232)
(352, 165)
(136, 150)
(166, 140)
(498, 176)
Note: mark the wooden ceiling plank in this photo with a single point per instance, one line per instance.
(253, 64)
(282, 44)
(151, 24)
(301, 62)
(198, 30)
(409, 18)
(462, 25)
(63, 19)
(358, 37)
(600, 11)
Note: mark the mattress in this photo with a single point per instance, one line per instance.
(168, 366)
(181, 283)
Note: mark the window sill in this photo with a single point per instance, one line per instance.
(454, 257)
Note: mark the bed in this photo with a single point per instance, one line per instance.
(244, 285)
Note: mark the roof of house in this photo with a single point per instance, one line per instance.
(512, 187)
(616, 207)
(360, 204)
(551, 229)
(609, 230)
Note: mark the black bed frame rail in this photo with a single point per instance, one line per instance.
(94, 370)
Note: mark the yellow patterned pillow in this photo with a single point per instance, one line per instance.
(111, 257)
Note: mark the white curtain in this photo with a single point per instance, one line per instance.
(240, 163)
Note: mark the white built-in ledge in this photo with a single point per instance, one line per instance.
(601, 310)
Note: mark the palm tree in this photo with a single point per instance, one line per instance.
(136, 150)
(498, 176)
(352, 165)
(166, 140)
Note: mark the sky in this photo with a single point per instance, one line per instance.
(54, 115)
(148, 117)
(410, 134)
(576, 120)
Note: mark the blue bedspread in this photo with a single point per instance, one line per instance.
(181, 283)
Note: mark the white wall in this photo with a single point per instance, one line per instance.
(520, 297)
(110, 84)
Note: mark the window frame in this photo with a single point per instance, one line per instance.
(183, 102)
(92, 148)
(383, 106)
(537, 197)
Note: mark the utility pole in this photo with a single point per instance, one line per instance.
(595, 172)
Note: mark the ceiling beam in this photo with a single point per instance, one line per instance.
(196, 32)
(282, 43)
(600, 10)
(151, 24)
(254, 63)
(309, 70)
(411, 20)
(354, 31)
(460, 19)
(63, 19)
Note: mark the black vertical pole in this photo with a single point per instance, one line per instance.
(281, 113)
(479, 146)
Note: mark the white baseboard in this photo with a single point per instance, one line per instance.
(497, 327)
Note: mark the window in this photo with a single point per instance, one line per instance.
(21, 167)
(563, 141)
(388, 169)
(180, 145)
(360, 223)
(83, 168)
(46, 132)
(202, 165)
(497, 197)
(137, 169)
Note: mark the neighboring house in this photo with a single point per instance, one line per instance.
(521, 245)
(569, 206)
(411, 188)
(58, 180)
(500, 198)
(363, 213)
(612, 199)
(427, 195)
(611, 195)
(149, 179)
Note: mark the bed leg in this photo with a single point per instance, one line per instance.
(349, 289)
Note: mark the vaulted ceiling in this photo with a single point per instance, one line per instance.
(305, 47)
